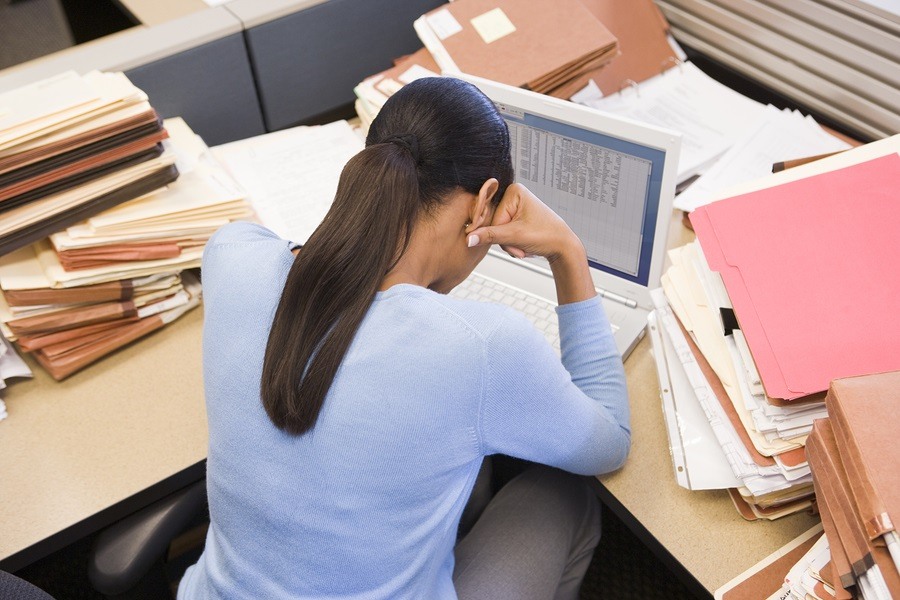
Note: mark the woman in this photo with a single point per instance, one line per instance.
(351, 402)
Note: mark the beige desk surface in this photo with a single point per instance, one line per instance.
(154, 12)
(702, 530)
(70, 450)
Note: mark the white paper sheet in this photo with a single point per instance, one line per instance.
(777, 136)
(291, 176)
(710, 116)
(700, 463)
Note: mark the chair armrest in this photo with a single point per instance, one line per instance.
(125, 551)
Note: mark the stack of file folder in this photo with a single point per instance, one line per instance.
(540, 45)
(854, 456)
(788, 287)
(373, 92)
(801, 570)
(103, 282)
(638, 27)
(72, 146)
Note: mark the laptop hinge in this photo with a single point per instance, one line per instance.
(617, 298)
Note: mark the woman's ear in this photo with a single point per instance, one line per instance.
(482, 209)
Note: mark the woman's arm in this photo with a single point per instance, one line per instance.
(573, 415)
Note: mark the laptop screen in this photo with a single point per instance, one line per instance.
(607, 189)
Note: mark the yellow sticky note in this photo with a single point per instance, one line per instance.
(493, 25)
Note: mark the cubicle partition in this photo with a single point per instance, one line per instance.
(309, 55)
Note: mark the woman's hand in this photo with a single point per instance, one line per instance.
(525, 226)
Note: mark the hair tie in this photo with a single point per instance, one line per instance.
(406, 140)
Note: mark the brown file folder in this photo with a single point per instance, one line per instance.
(644, 50)
(833, 484)
(863, 414)
(553, 42)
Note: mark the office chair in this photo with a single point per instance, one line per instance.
(15, 588)
(127, 559)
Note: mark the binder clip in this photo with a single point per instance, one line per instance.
(670, 63)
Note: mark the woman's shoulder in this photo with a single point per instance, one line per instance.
(489, 321)
(241, 233)
(245, 255)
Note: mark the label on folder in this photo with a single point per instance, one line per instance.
(493, 25)
(443, 23)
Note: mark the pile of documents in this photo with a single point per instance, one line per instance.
(103, 282)
(801, 570)
(540, 45)
(72, 146)
(854, 456)
(787, 288)
(291, 176)
(373, 92)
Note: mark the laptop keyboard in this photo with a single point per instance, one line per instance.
(540, 312)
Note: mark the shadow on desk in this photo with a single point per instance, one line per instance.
(622, 568)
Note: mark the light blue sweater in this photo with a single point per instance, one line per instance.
(367, 504)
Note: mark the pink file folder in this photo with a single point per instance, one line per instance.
(812, 268)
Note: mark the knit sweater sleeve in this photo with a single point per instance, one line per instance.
(571, 414)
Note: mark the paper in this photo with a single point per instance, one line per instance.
(710, 116)
(700, 463)
(778, 135)
(416, 72)
(808, 266)
(848, 158)
(11, 365)
(767, 576)
(291, 176)
(443, 24)
(493, 25)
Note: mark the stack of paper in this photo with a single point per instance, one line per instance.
(786, 289)
(710, 116)
(538, 44)
(373, 92)
(801, 570)
(854, 458)
(171, 224)
(644, 47)
(72, 146)
(291, 176)
(775, 136)
(104, 282)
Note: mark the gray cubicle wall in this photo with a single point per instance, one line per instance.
(211, 86)
(195, 67)
(309, 55)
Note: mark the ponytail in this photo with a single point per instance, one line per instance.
(334, 279)
(434, 136)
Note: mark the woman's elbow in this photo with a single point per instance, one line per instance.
(617, 447)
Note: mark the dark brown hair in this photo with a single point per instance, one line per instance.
(434, 136)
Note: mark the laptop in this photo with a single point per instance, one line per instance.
(612, 179)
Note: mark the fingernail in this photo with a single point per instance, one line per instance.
(472, 240)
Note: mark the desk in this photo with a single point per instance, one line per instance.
(81, 454)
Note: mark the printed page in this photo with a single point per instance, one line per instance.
(291, 176)
(777, 136)
(710, 116)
